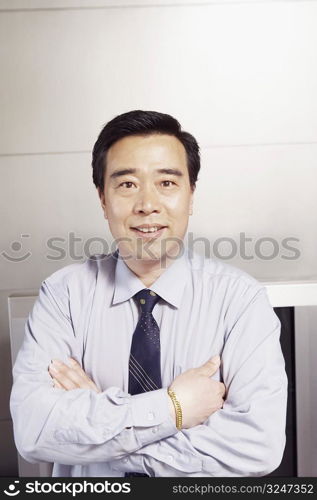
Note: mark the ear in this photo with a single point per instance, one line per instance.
(102, 201)
(191, 202)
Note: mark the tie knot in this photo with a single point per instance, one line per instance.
(147, 299)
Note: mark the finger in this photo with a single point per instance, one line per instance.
(222, 388)
(76, 366)
(210, 367)
(78, 369)
(71, 377)
(58, 373)
(76, 372)
(66, 375)
(57, 384)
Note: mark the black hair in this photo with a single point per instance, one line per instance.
(142, 123)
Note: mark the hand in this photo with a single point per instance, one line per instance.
(70, 377)
(198, 394)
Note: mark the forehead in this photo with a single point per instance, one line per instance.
(144, 151)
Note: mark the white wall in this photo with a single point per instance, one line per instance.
(240, 75)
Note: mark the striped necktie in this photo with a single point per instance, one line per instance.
(145, 354)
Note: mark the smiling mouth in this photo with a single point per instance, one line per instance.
(148, 231)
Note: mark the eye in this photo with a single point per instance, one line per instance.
(126, 184)
(168, 183)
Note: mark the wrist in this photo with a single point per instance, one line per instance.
(171, 409)
(177, 409)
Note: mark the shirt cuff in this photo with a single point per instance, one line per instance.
(151, 416)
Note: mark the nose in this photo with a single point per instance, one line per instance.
(147, 201)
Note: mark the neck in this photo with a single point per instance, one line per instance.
(148, 271)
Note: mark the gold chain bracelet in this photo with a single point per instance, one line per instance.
(178, 409)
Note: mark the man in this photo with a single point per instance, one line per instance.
(136, 385)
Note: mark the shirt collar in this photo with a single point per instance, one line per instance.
(170, 284)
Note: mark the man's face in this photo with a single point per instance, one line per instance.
(147, 197)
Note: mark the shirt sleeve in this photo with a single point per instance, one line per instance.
(78, 426)
(247, 436)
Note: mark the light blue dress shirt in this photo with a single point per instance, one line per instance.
(87, 311)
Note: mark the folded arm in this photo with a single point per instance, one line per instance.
(79, 426)
(247, 436)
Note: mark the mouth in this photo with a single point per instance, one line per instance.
(147, 231)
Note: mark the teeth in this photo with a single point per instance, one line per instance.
(148, 229)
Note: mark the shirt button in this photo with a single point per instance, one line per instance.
(125, 460)
(151, 415)
(154, 430)
(171, 457)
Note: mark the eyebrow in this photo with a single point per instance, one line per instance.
(127, 171)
